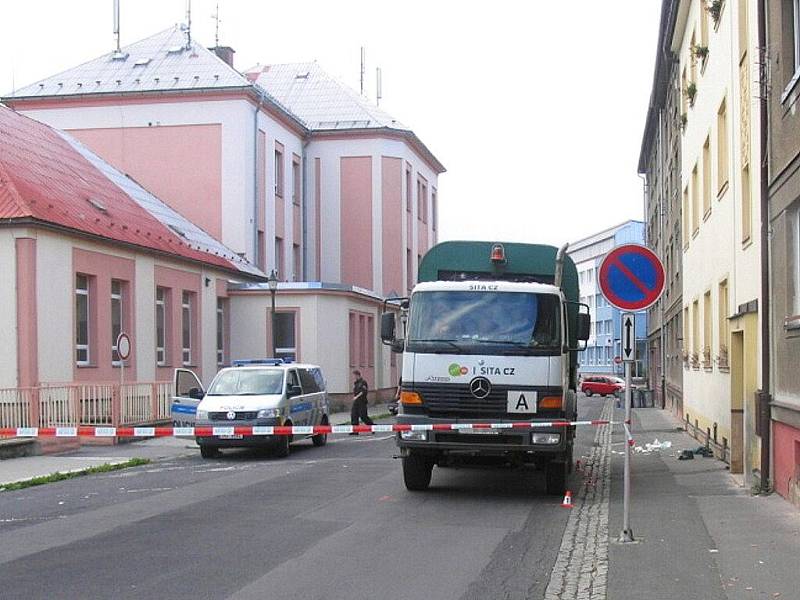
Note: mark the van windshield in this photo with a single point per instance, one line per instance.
(473, 322)
(247, 382)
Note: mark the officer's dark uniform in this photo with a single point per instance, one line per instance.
(359, 408)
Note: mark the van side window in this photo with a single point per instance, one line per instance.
(292, 380)
(308, 382)
(318, 377)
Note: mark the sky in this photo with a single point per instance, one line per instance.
(535, 107)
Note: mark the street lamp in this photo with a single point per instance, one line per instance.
(273, 287)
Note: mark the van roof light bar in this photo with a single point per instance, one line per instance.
(258, 361)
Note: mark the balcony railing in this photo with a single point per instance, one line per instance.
(74, 404)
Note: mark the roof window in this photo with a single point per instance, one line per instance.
(97, 205)
(141, 62)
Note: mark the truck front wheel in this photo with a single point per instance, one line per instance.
(417, 471)
(556, 476)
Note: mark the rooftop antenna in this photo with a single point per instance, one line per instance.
(215, 16)
(379, 86)
(188, 24)
(118, 53)
(363, 67)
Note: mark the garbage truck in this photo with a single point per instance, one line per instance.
(490, 334)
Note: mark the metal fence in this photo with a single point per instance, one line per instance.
(73, 404)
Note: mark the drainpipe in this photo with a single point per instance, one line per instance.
(662, 300)
(304, 210)
(255, 178)
(764, 393)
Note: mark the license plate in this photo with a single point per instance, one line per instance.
(521, 401)
(480, 431)
(231, 437)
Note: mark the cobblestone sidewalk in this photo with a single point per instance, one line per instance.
(581, 568)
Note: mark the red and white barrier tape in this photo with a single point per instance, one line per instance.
(87, 431)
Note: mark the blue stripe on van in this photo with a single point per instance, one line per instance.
(182, 408)
(301, 407)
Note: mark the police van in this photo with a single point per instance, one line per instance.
(260, 392)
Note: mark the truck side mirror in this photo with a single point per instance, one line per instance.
(387, 328)
(584, 326)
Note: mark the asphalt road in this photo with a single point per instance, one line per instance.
(332, 522)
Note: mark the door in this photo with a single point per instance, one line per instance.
(299, 404)
(313, 396)
(188, 394)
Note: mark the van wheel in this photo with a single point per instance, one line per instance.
(556, 477)
(281, 449)
(417, 471)
(322, 438)
(207, 451)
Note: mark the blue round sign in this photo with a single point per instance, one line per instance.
(631, 277)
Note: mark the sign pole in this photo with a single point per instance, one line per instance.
(627, 533)
(628, 337)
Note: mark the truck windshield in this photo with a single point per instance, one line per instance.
(247, 382)
(472, 322)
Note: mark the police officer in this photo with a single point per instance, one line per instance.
(359, 407)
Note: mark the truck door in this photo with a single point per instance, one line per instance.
(188, 394)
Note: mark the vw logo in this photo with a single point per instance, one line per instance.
(480, 387)
(231, 415)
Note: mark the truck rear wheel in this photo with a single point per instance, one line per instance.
(556, 477)
(417, 471)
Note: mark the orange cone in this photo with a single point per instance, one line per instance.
(567, 503)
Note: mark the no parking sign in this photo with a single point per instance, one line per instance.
(631, 277)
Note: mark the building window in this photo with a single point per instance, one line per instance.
(692, 59)
(362, 340)
(296, 181)
(797, 262)
(434, 209)
(186, 327)
(707, 178)
(279, 264)
(686, 217)
(722, 147)
(696, 327)
(408, 189)
(722, 309)
(297, 262)
(279, 173)
(285, 335)
(695, 201)
(409, 270)
(82, 355)
(707, 333)
(116, 319)
(747, 209)
(221, 331)
(161, 326)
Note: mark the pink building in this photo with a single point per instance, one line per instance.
(285, 165)
(88, 253)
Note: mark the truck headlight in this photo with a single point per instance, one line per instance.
(201, 415)
(268, 413)
(548, 439)
(414, 436)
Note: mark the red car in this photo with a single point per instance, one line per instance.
(603, 386)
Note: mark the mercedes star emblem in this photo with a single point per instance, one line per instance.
(231, 415)
(480, 387)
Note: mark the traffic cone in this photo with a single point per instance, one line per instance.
(567, 503)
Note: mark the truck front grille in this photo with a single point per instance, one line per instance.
(456, 401)
(248, 415)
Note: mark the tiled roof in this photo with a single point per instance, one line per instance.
(161, 62)
(49, 177)
(319, 99)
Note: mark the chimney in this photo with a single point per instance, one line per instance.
(225, 53)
